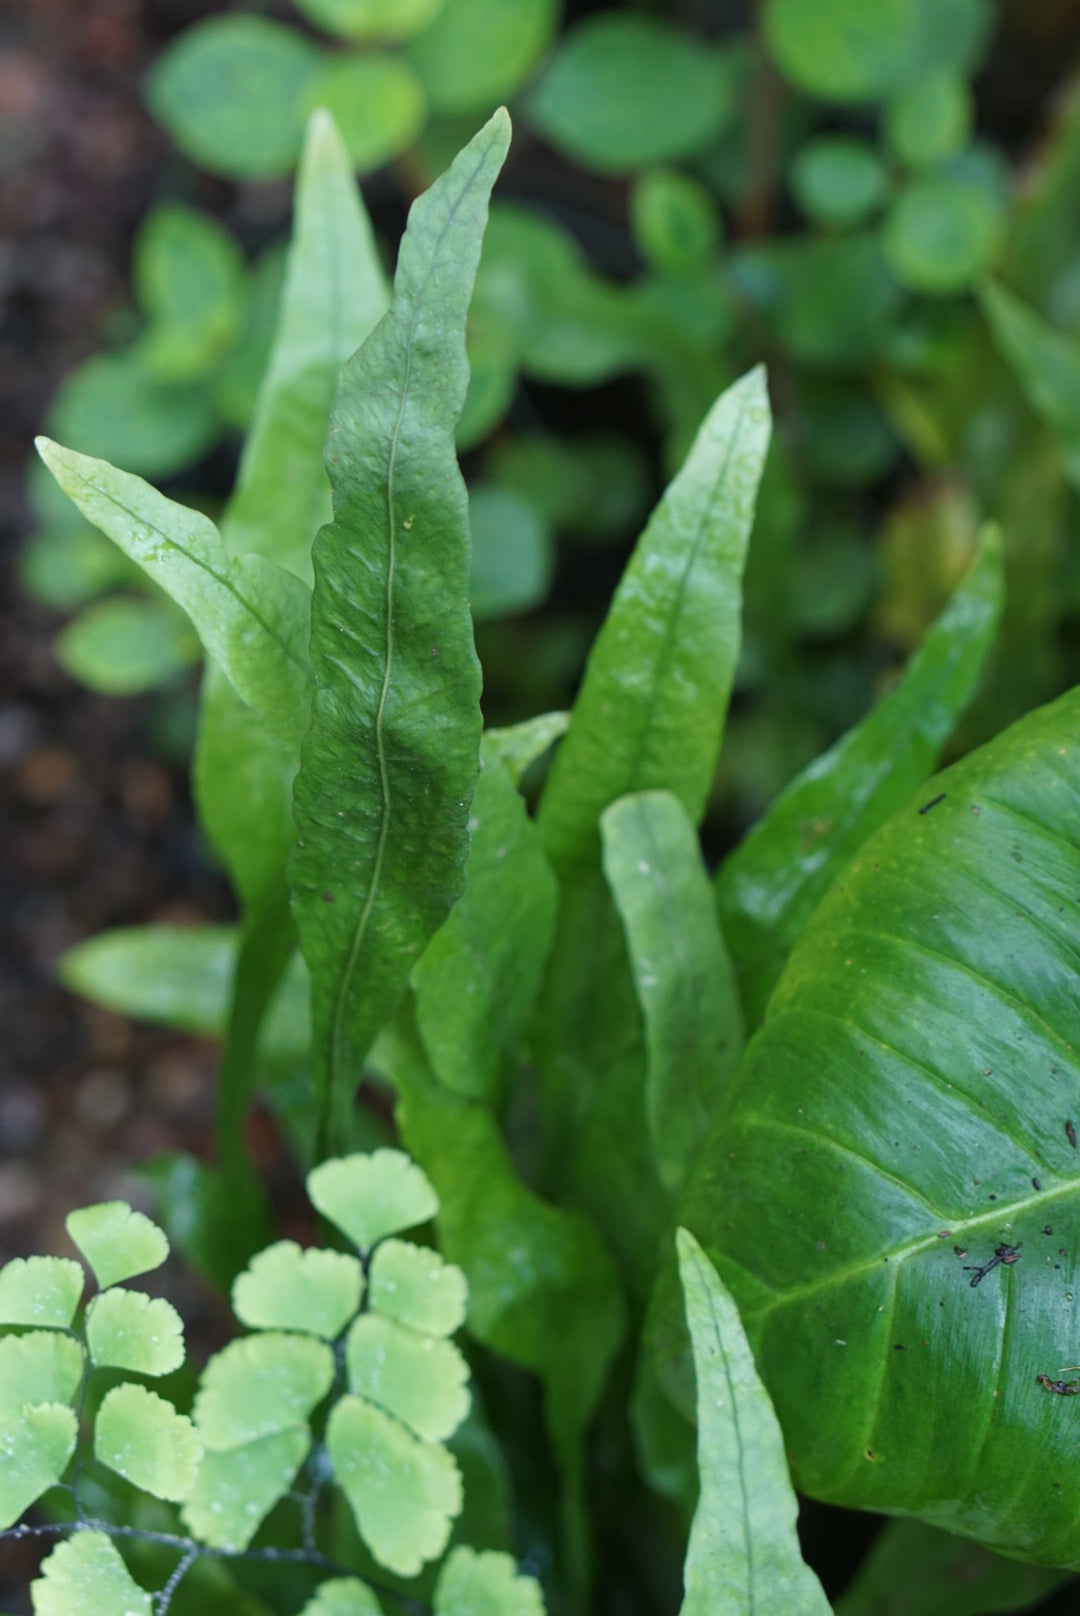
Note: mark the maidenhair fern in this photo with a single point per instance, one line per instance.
(348, 1379)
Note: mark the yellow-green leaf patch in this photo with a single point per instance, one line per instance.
(116, 1241)
(284, 1288)
(129, 1330)
(42, 1367)
(144, 1439)
(85, 1576)
(259, 1385)
(41, 1291)
(371, 1196)
(415, 1286)
(35, 1446)
(235, 1491)
(421, 1379)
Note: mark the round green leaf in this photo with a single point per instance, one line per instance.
(676, 225)
(890, 1186)
(371, 19)
(231, 92)
(260, 1385)
(838, 179)
(189, 275)
(843, 50)
(37, 1444)
(284, 1288)
(129, 1330)
(486, 1584)
(42, 1367)
(65, 566)
(85, 1576)
(42, 1291)
(930, 120)
(421, 1379)
(943, 233)
(512, 557)
(477, 53)
(376, 102)
(416, 1287)
(342, 1596)
(116, 1241)
(235, 1491)
(404, 1493)
(142, 1437)
(124, 647)
(109, 407)
(838, 300)
(179, 976)
(625, 90)
(368, 1197)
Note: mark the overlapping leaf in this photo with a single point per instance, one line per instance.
(417, 1287)
(41, 1291)
(487, 1584)
(85, 1576)
(260, 1385)
(144, 1439)
(233, 1492)
(37, 1443)
(421, 1379)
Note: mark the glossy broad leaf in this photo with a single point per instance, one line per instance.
(129, 1330)
(389, 764)
(486, 1584)
(85, 1576)
(260, 1385)
(415, 1286)
(769, 886)
(403, 1492)
(477, 980)
(335, 291)
(116, 1241)
(422, 1380)
(371, 1196)
(519, 746)
(41, 1367)
(37, 1443)
(250, 615)
(744, 1553)
(144, 1439)
(40, 1291)
(176, 975)
(682, 972)
(913, 1094)
(109, 407)
(235, 1491)
(284, 1288)
(920, 1571)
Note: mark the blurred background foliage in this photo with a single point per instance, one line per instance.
(836, 188)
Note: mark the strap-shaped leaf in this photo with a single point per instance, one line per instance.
(913, 1094)
(421, 1379)
(389, 765)
(176, 975)
(85, 1576)
(1047, 366)
(477, 980)
(36, 1443)
(142, 1437)
(42, 1367)
(487, 1584)
(42, 1291)
(335, 291)
(116, 1241)
(744, 1553)
(259, 1385)
(250, 615)
(284, 1288)
(343, 1596)
(368, 1197)
(937, 1574)
(519, 746)
(129, 1330)
(404, 1493)
(234, 1492)
(768, 888)
(417, 1287)
(682, 973)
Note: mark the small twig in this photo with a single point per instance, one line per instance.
(164, 1599)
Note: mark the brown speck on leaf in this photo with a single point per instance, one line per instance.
(1035, 1184)
(943, 1234)
(871, 1455)
(1070, 1134)
(329, 897)
(961, 1251)
(1047, 1229)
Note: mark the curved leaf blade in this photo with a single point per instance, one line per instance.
(41, 1367)
(128, 1330)
(117, 1241)
(769, 886)
(389, 765)
(933, 1573)
(85, 1576)
(902, 1319)
(37, 1443)
(144, 1439)
(422, 1380)
(371, 1196)
(260, 1385)
(342, 1596)
(283, 1288)
(1047, 366)
(417, 1287)
(682, 973)
(744, 1551)
(486, 1584)
(176, 975)
(235, 1491)
(335, 291)
(41, 1291)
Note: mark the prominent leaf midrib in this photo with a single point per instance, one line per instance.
(341, 999)
(744, 1513)
(1000, 1218)
(204, 566)
(665, 655)
(778, 1125)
